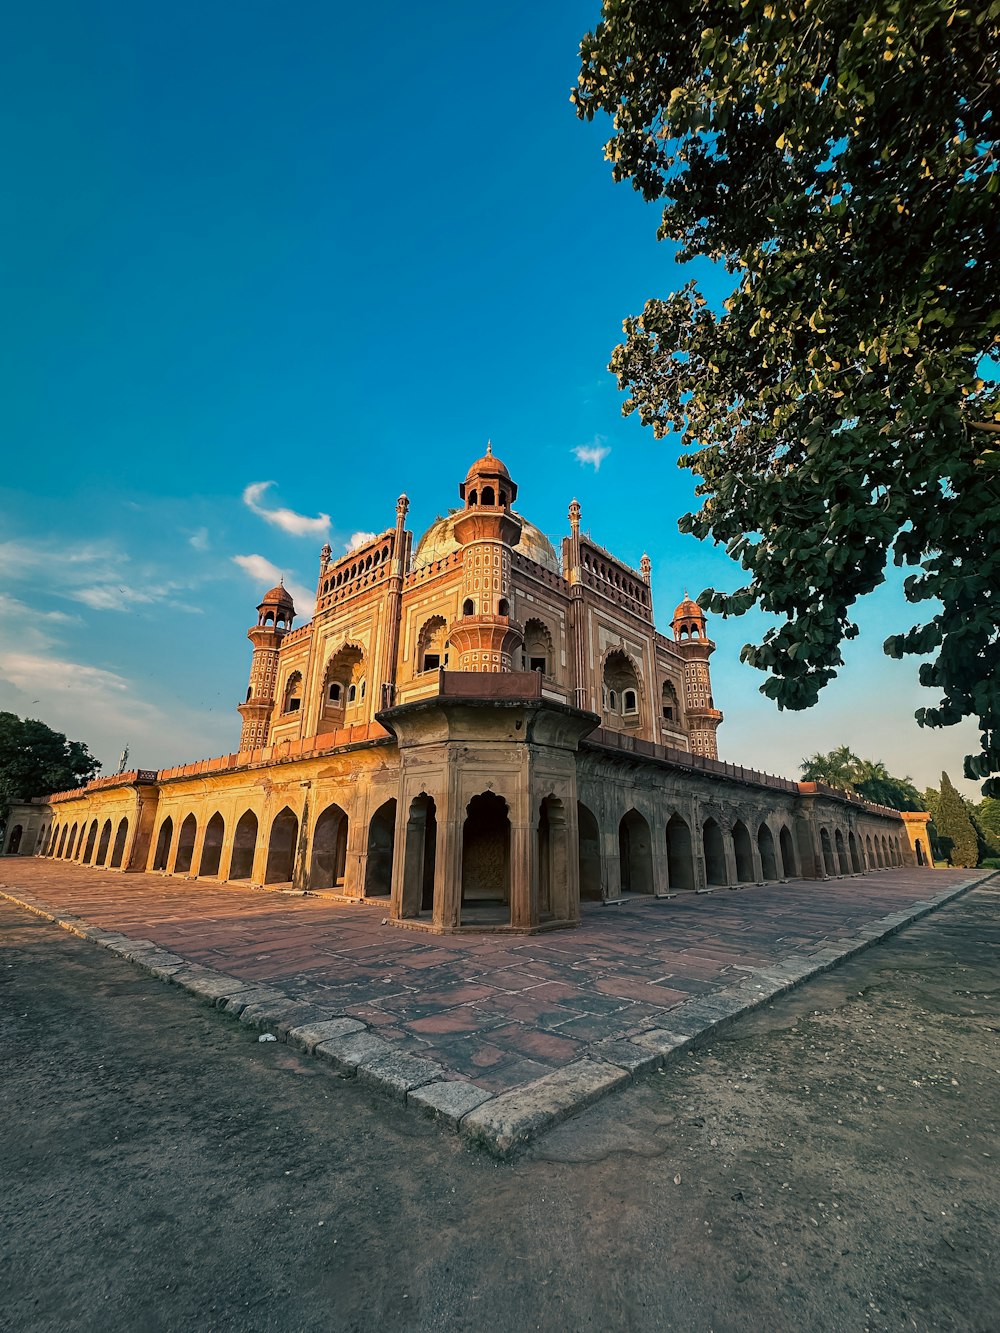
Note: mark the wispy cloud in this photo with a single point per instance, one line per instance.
(265, 575)
(93, 574)
(359, 539)
(299, 525)
(199, 540)
(592, 455)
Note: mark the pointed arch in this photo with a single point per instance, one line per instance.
(420, 856)
(211, 848)
(61, 846)
(381, 850)
(765, 847)
(680, 859)
(185, 845)
(88, 850)
(843, 865)
(244, 846)
(71, 845)
(827, 849)
(786, 844)
(103, 844)
(635, 853)
(291, 695)
(119, 848)
(852, 844)
(328, 865)
(431, 645)
(486, 858)
(538, 651)
(281, 845)
(716, 871)
(743, 853)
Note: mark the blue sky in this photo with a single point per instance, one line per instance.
(334, 252)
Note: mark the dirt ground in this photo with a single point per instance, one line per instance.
(829, 1163)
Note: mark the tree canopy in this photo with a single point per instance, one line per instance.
(842, 409)
(869, 778)
(35, 761)
(957, 837)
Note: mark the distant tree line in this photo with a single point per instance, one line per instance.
(35, 760)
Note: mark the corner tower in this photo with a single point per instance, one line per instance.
(274, 619)
(485, 638)
(695, 647)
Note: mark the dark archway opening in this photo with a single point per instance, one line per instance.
(211, 851)
(787, 848)
(743, 851)
(635, 854)
(281, 848)
(244, 846)
(842, 861)
(103, 844)
(852, 844)
(590, 855)
(486, 860)
(920, 853)
(715, 853)
(88, 850)
(680, 858)
(71, 845)
(381, 850)
(60, 849)
(829, 865)
(420, 856)
(765, 846)
(118, 851)
(329, 849)
(14, 842)
(185, 845)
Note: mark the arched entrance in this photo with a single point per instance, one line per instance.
(787, 848)
(381, 849)
(869, 853)
(420, 856)
(743, 851)
(590, 854)
(635, 854)
(552, 853)
(14, 841)
(185, 845)
(244, 846)
(715, 853)
(919, 848)
(765, 845)
(842, 861)
(71, 845)
(829, 864)
(103, 844)
(329, 849)
(486, 860)
(61, 847)
(680, 859)
(211, 850)
(88, 850)
(852, 844)
(118, 851)
(281, 847)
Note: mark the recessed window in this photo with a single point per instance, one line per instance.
(352, 693)
(503, 607)
(536, 664)
(629, 702)
(612, 699)
(489, 496)
(468, 607)
(432, 661)
(335, 692)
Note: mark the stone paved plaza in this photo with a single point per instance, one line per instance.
(500, 1010)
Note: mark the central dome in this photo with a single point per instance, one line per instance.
(439, 540)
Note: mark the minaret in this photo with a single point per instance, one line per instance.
(573, 572)
(274, 620)
(694, 645)
(485, 638)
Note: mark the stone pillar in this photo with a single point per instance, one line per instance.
(523, 886)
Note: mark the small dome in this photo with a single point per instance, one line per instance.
(488, 464)
(439, 541)
(689, 609)
(278, 596)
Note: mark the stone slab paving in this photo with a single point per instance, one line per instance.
(499, 1036)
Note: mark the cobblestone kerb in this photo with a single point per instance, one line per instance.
(504, 1122)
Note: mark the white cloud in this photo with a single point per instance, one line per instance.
(117, 596)
(359, 539)
(266, 575)
(592, 455)
(299, 525)
(199, 539)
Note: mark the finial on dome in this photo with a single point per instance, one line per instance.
(489, 448)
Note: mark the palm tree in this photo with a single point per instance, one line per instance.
(836, 769)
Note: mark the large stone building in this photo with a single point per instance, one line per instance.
(477, 734)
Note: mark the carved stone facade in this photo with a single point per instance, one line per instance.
(479, 734)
